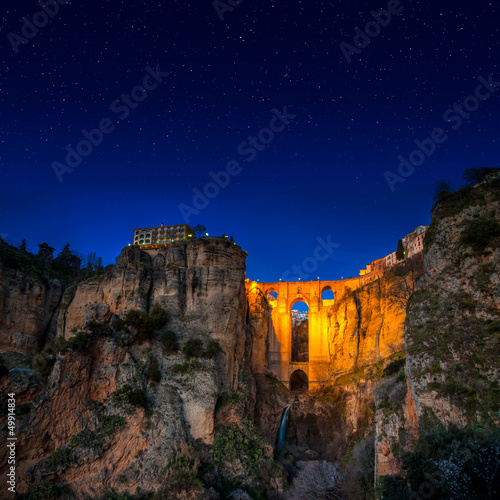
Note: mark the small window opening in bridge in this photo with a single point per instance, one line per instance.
(299, 381)
(272, 296)
(300, 332)
(327, 294)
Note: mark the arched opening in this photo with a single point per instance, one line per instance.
(327, 295)
(300, 332)
(299, 381)
(271, 295)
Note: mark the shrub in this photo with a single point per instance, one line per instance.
(390, 394)
(92, 440)
(230, 397)
(98, 329)
(317, 480)
(126, 395)
(169, 341)
(110, 494)
(62, 457)
(43, 363)
(120, 326)
(394, 367)
(80, 341)
(188, 367)
(45, 490)
(212, 348)
(393, 488)
(110, 424)
(462, 462)
(193, 348)
(358, 483)
(60, 344)
(145, 323)
(480, 233)
(158, 317)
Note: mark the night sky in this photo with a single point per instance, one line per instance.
(321, 175)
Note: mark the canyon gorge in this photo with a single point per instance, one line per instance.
(167, 376)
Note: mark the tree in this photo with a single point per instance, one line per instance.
(66, 261)
(442, 189)
(400, 252)
(316, 481)
(45, 252)
(473, 176)
(199, 229)
(23, 246)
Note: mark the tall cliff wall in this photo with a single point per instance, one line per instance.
(452, 329)
(83, 408)
(28, 304)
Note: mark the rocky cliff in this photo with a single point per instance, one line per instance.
(451, 332)
(121, 402)
(28, 304)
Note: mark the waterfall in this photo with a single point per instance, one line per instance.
(282, 432)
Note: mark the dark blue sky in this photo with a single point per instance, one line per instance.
(322, 176)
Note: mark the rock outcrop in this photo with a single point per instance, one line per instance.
(28, 303)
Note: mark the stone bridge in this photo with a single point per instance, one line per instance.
(282, 296)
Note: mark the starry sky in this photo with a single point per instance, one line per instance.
(319, 180)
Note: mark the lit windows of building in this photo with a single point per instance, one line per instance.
(153, 237)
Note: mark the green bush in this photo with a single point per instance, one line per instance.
(97, 329)
(45, 490)
(393, 488)
(80, 341)
(462, 462)
(110, 494)
(188, 367)
(111, 424)
(394, 367)
(145, 323)
(119, 325)
(193, 348)
(62, 457)
(169, 341)
(43, 363)
(92, 440)
(480, 233)
(211, 349)
(126, 395)
(230, 397)
(60, 344)
(158, 317)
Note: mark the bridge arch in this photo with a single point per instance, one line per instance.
(271, 294)
(327, 295)
(299, 381)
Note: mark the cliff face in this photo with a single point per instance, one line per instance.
(452, 327)
(200, 285)
(366, 325)
(91, 406)
(27, 307)
(451, 331)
